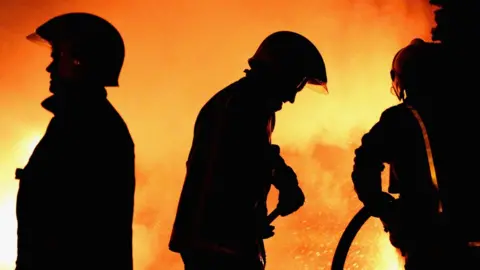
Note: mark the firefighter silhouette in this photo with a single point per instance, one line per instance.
(429, 222)
(75, 197)
(221, 218)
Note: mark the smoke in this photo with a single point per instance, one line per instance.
(181, 52)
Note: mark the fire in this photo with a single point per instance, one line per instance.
(178, 55)
(8, 188)
(390, 259)
(8, 232)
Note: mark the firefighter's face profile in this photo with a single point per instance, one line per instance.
(286, 91)
(64, 68)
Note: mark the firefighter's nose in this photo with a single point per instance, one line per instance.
(49, 68)
(292, 97)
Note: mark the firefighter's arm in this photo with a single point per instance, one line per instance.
(249, 142)
(250, 136)
(291, 196)
(374, 151)
(263, 160)
(284, 175)
(102, 184)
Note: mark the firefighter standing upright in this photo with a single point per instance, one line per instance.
(427, 222)
(75, 198)
(221, 219)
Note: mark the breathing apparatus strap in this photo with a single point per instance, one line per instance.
(433, 173)
(428, 148)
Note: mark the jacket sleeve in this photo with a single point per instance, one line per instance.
(250, 148)
(100, 182)
(375, 150)
(284, 176)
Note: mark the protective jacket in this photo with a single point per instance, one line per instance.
(76, 194)
(222, 206)
(419, 225)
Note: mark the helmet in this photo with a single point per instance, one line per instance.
(93, 39)
(291, 53)
(413, 67)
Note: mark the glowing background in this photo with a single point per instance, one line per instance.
(181, 52)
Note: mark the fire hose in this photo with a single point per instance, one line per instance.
(341, 252)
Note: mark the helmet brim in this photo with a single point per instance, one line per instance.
(317, 86)
(37, 39)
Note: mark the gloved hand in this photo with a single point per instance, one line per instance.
(387, 209)
(267, 231)
(380, 204)
(263, 229)
(392, 224)
(290, 199)
(275, 157)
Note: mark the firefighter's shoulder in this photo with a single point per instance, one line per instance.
(394, 113)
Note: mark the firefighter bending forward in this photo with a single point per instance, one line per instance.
(76, 194)
(430, 222)
(221, 218)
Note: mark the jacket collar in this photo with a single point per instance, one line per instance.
(73, 100)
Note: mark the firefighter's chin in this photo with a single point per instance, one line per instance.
(275, 105)
(57, 86)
